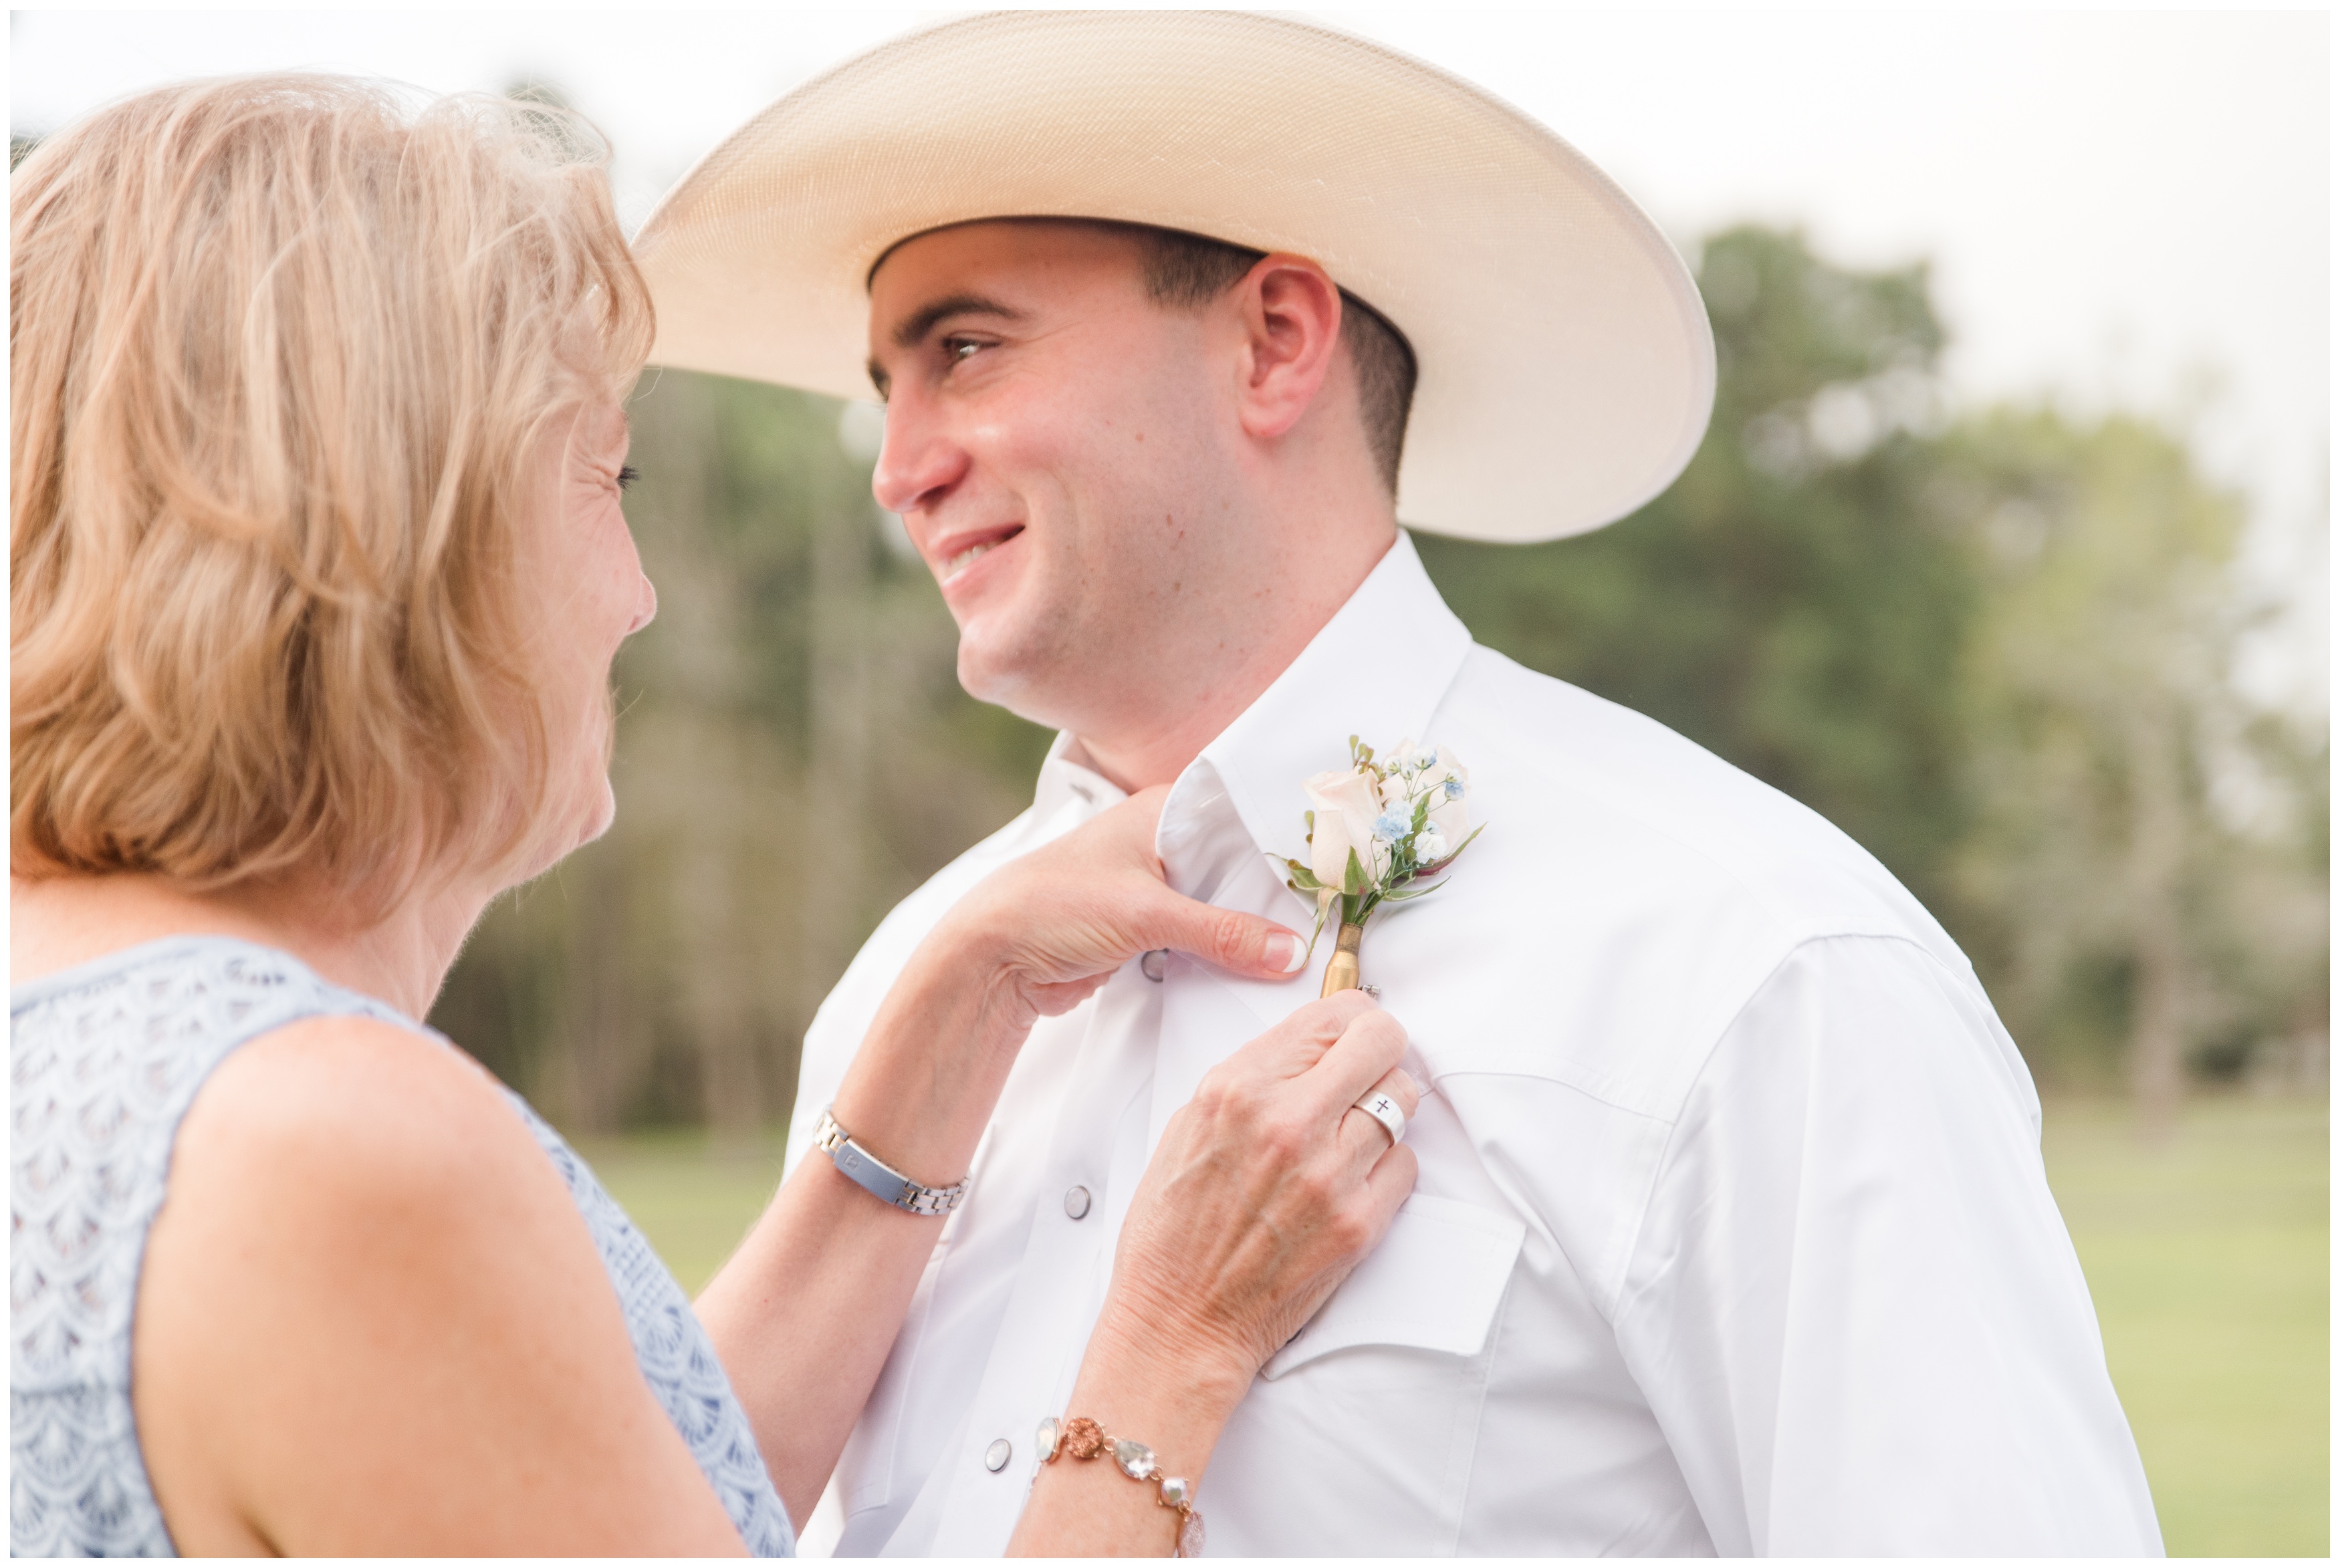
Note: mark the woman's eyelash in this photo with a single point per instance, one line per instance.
(627, 475)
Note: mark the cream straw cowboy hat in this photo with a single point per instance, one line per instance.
(1567, 368)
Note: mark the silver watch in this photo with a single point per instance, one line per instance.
(880, 1179)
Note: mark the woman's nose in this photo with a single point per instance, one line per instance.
(919, 460)
(646, 609)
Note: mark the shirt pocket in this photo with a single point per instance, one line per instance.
(1432, 1284)
(1359, 1436)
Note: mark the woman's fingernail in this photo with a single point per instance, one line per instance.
(1288, 952)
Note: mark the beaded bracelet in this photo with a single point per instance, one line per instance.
(1083, 1438)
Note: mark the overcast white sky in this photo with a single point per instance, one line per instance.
(2122, 207)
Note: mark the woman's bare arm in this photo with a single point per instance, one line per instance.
(806, 1311)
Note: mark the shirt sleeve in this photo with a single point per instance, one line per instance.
(1852, 1304)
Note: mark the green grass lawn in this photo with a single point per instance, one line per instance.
(693, 1201)
(2209, 1260)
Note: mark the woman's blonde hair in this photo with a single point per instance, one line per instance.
(279, 350)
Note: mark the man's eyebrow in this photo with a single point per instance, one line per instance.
(920, 321)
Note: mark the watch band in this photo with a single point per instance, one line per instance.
(880, 1179)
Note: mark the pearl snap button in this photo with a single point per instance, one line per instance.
(996, 1458)
(1077, 1203)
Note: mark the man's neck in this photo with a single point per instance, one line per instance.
(1160, 757)
(1154, 747)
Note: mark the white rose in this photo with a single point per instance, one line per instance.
(1345, 804)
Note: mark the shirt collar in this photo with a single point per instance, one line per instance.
(1066, 779)
(1377, 671)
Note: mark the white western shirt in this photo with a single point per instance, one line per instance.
(1732, 1233)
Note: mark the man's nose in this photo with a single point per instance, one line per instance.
(918, 461)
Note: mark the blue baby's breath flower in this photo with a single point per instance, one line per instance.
(1453, 789)
(1390, 826)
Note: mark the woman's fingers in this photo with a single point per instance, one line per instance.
(1387, 1186)
(1362, 1136)
(1241, 944)
(1087, 902)
(1293, 1045)
(1133, 822)
(1370, 1045)
(1400, 1086)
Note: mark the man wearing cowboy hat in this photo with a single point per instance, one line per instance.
(1732, 1233)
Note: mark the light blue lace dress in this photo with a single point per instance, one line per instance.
(103, 1062)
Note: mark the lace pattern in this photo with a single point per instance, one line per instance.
(105, 1062)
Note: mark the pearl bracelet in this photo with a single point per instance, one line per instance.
(1083, 1438)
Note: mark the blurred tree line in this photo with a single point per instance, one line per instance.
(1995, 646)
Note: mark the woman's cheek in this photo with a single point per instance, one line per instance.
(646, 603)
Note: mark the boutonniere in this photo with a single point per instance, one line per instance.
(1374, 830)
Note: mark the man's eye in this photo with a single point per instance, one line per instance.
(958, 349)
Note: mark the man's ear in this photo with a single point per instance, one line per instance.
(1291, 324)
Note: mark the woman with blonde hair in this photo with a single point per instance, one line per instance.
(318, 568)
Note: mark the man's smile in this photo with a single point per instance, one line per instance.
(955, 554)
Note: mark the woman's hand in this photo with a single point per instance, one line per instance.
(1056, 923)
(1029, 940)
(1264, 1194)
(1032, 940)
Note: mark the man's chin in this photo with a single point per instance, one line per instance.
(984, 677)
(1019, 683)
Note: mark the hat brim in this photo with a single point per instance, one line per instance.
(1566, 364)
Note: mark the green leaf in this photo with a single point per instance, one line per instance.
(1303, 878)
(1354, 881)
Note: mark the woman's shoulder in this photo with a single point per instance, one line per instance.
(340, 1125)
(335, 1085)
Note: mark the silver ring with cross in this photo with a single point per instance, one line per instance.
(1384, 1109)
